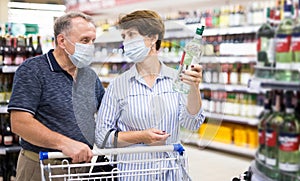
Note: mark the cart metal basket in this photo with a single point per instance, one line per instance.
(153, 163)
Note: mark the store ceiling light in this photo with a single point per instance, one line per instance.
(49, 7)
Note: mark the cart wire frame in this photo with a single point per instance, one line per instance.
(158, 168)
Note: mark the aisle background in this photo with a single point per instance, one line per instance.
(212, 165)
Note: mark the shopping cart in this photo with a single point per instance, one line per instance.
(133, 163)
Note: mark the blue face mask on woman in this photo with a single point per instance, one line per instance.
(136, 49)
(83, 55)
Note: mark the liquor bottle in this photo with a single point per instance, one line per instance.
(265, 43)
(263, 118)
(8, 57)
(283, 38)
(289, 132)
(1, 49)
(6, 130)
(192, 53)
(30, 51)
(13, 49)
(20, 51)
(272, 127)
(39, 50)
(2, 171)
(296, 38)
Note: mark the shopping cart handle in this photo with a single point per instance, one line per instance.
(179, 148)
(43, 155)
(175, 147)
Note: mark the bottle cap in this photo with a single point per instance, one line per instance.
(199, 31)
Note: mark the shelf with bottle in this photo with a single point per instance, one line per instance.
(237, 107)
(221, 138)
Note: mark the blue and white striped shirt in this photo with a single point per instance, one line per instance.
(136, 106)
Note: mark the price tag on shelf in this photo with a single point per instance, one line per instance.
(2, 151)
(3, 109)
(9, 69)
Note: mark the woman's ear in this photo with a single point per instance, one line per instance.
(153, 38)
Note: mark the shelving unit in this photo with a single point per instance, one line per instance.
(234, 119)
(193, 138)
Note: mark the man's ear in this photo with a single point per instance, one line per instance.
(61, 41)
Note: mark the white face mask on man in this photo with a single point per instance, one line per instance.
(135, 49)
(83, 55)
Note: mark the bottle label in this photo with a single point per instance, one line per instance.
(261, 136)
(288, 142)
(283, 43)
(288, 167)
(263, 44)
(296, 42)
(271, 137)
(271, 161)
(7, 60)
(8, 140)
(261, 157)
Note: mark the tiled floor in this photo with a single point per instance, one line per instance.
(212, 165)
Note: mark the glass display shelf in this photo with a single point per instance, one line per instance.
(262, 172)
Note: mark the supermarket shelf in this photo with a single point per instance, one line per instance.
(257, 83)
(229, 87)
(250, 152)
(180, 25)
(228, 59)
(14, 148)
(236, 119)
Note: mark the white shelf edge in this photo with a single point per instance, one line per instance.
(202, 143)
(228, 59)
(229, 118)
(228, 87)
(9, 68)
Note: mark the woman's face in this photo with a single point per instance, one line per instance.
(131, 33)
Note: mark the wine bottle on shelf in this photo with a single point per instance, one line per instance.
(20, 51)
(39, 50)
(30, 51)
(8, 57)
(289, 132)
(263, 118)
(1, 49)
(272, 128)
(13, 49)
(265, 43)
(2, 169)
(6, 130)
(283, 35)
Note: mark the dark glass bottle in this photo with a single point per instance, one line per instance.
(272, 127)
(289, 132)
(8, 57)
(20, 51)
(264, 117)
(39, 50)
(1, 49)
(30, 51)
(6, 130)
(13, 48)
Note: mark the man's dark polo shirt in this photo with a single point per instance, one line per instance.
(42, 88)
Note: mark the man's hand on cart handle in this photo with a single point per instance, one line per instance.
(77, 151)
